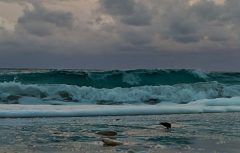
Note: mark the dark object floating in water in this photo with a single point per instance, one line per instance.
(107, 133)
(30, 145)
(58, 132)
(117, 119)
(166, 124)
(111, 142)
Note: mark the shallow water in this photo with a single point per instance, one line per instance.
(219, 132)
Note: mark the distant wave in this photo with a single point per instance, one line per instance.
(106, 79)
(61, 94)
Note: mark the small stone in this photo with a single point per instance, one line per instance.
(110, 137)
(30, 145)
(130, 151)
(58, 132)
(166, 124)
(160, 146)
(107, 133)
(111, 142)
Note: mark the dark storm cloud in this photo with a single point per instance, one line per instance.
(38, 28)
(127, 34)
(136, 37)
(206, 10)
(41, 21)
(176, 20)
(140, 17)
(37, 21)
(186, 39)
(116, 7)
(130, 12)
(180, 25)
(181, 29)
(219, 34)
(33, 1)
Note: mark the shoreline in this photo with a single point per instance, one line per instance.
(118, 115)
(206, 132)
(31, 111)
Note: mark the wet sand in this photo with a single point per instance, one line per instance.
(199, 133)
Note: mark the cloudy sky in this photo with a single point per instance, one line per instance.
(120, 34)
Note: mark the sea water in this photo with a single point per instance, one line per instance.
(72, 93)
(198, 133)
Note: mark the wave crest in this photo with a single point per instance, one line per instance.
(17, 93)
(108, 79)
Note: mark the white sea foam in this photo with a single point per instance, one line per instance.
(195, 72)
(206, 105)
(131, 78)
(234, 101)
(199, 73)
(67, 94)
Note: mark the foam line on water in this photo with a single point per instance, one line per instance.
(207, 106)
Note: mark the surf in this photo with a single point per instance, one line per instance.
(105, 79)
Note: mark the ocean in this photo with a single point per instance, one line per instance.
(61, 110)
(73, 93)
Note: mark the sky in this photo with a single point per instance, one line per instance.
(120, 34)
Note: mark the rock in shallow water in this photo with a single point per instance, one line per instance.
(58, 132)
(107, 133)
(130, 151)
(111, 142)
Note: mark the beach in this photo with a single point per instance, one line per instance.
(161, 76)
(200, 133)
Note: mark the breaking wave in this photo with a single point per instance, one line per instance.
(51, 93)
(17, 93)
(106, 79)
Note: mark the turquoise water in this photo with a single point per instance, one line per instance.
(185, 90)
(117, 78)
(45, 93)
(115, 86)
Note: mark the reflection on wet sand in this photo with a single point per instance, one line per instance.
(189, 133)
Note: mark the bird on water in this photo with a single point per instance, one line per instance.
(166, 124)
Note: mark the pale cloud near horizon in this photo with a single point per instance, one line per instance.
(170, 34)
